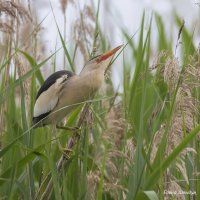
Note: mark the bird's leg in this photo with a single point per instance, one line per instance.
(57, 139)
(74, 129)
(76, 133)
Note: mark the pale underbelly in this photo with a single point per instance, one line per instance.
(68, 103)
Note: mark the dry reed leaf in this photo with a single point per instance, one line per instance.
(112, 187)
(83, 31)
(22, 68)
(188, 150)
(171, 72)
(180, 164)
(115, 125)
(157, 60)
(156, 141)
(14, 10)
(64, 4)
(5, 27)
(93, 178)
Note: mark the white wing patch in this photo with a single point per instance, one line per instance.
(48, 99)
(59, 81)
(45, 103)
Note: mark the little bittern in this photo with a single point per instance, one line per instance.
(64, 90)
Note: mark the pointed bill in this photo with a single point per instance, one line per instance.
(108, 54)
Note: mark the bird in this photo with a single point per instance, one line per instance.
(64, 90)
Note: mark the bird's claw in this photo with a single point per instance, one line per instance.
(67, 152)
(76, 129)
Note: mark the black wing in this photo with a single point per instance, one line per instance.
(52, 79)
(44, 110)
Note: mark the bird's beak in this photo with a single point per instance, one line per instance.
(108, 54)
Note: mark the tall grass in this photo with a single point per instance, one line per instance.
(136, 144)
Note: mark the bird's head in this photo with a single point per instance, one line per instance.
(100, 62)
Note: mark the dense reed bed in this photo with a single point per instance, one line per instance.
(140, 142)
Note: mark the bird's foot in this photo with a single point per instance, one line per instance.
(66, 153)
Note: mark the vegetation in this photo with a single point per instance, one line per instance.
(139, 143)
